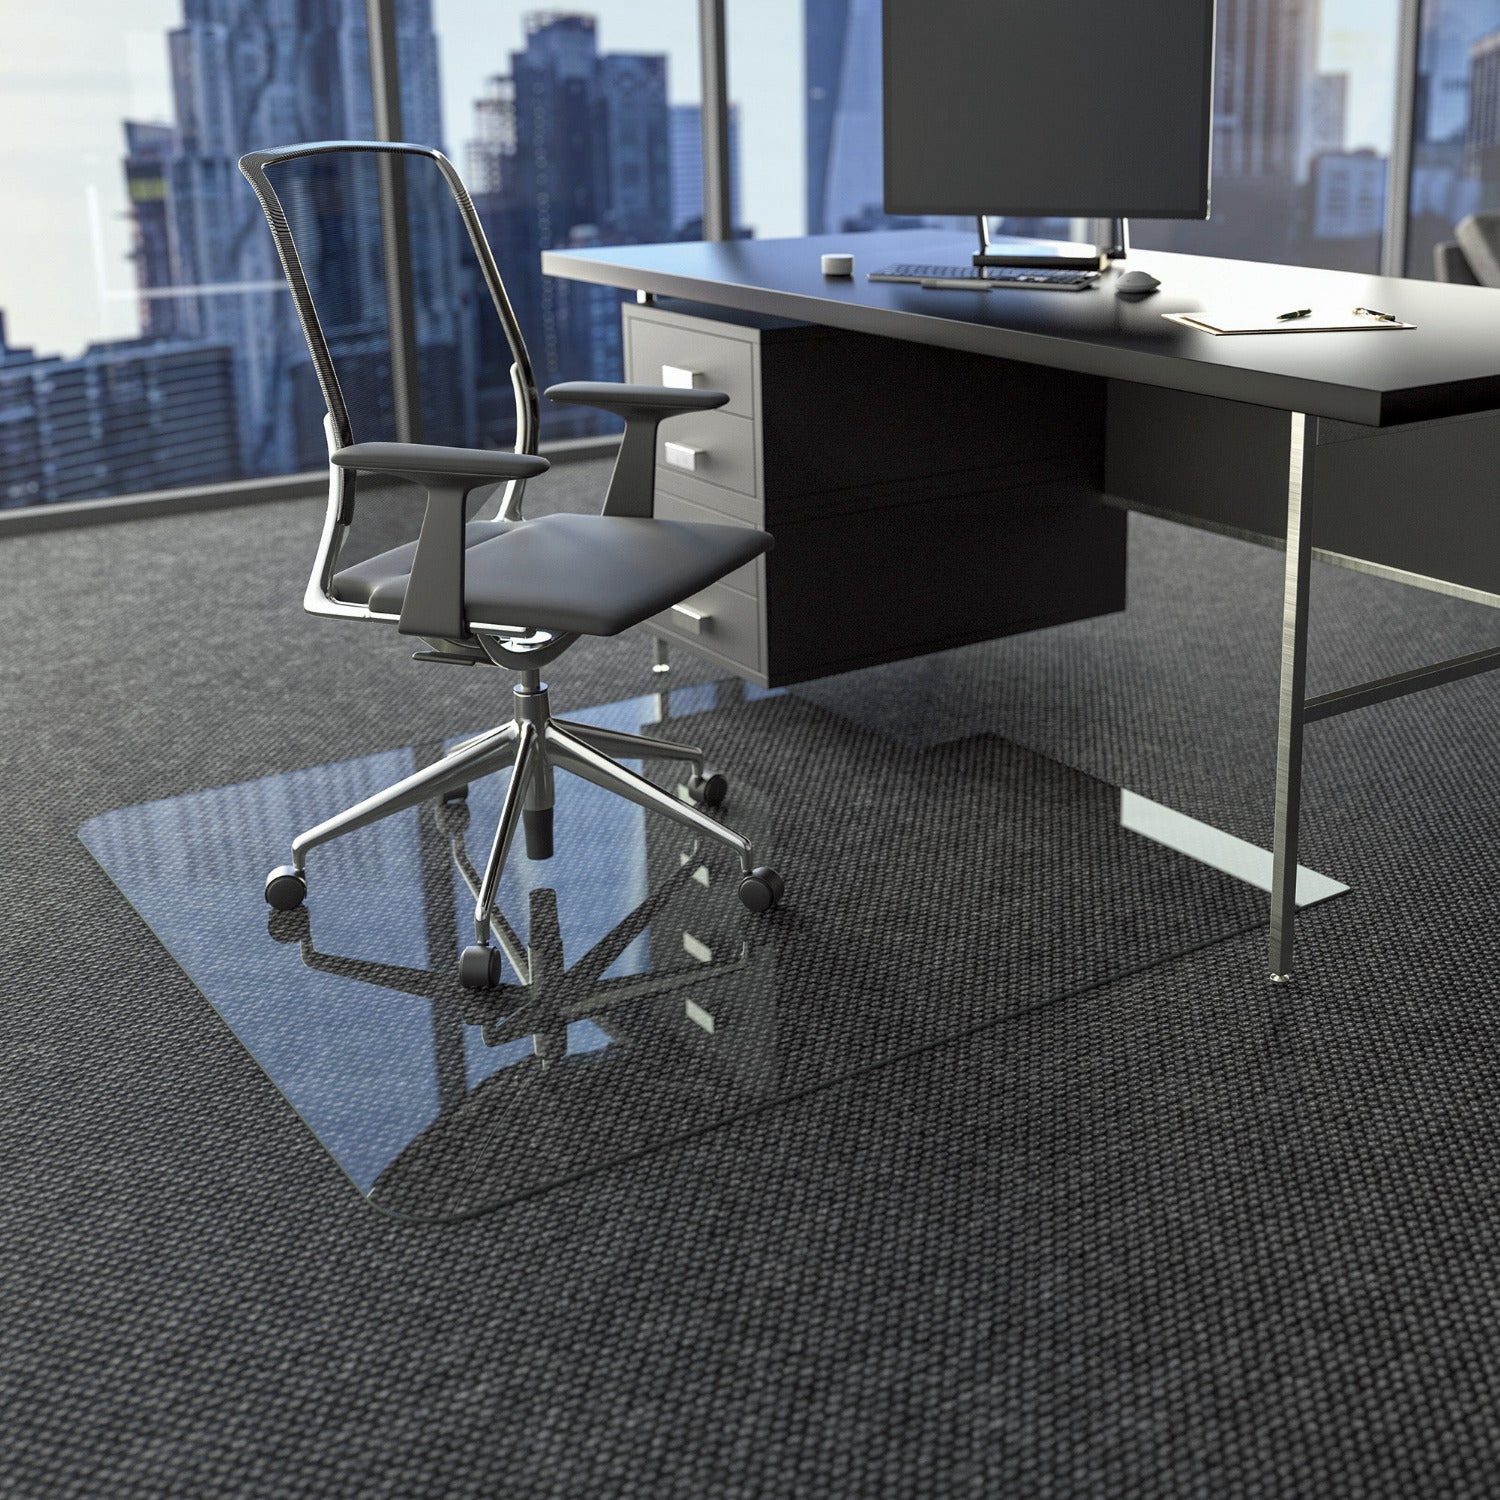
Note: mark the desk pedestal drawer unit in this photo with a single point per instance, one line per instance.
(920, 498)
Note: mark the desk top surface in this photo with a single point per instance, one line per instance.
(1448, 365)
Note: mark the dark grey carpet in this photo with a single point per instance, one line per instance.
(1182, 1236)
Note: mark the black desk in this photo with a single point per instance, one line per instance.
(1381, 446)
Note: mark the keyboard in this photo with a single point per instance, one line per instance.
(1036, 277)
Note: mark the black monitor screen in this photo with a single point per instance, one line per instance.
(1087, 108)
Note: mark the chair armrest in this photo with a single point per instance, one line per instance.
(434, 604)
(630, 400)
(422, 462)
(632, 486)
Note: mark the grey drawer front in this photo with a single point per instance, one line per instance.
(726, 504)
(730, 626)
(670, 507)
(722, 364)
(724, 444)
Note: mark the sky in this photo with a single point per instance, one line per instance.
(1359, 37)
(72, 70)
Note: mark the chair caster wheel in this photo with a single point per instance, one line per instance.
(286, 888)
(456, 794)
(479, 968)
(761, 889)
(710, 790)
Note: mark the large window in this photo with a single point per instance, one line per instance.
(93, 400)
(1305, 96)
(1304, 112)
(832, 147)
(148, 340)
(145, 337)
(1456, 134)
(572, 128)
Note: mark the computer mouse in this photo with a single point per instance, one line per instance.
(1136, 283)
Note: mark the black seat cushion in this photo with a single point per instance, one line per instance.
(355, 584)
(591, 575)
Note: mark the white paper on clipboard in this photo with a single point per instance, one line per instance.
(1254, 321)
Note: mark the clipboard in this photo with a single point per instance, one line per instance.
(1317, 322)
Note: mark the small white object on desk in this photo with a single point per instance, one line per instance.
(838, 265)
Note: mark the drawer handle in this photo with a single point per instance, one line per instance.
(681, 456)
(695, 620)
(678, 378)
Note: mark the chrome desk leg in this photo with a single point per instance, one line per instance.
(1299, 494)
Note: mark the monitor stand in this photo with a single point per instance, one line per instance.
(1111, 242)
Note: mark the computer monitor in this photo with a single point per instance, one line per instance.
(1096, 109)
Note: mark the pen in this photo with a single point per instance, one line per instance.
(1299, 312)
(1369, 312)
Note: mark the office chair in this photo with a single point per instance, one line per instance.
(505, 591)
(1472, 256)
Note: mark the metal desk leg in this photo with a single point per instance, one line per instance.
(1299, 493)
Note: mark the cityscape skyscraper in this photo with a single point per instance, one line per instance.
(687, 170)
(1264, 97)
(845, 158)
(572, 148)
(1449, 29)
(1482, 125)
(825, 23)
(122, 417)
(1448, 177)
(149, 151)
(246, 74)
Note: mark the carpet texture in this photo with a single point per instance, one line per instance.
(1182, 1235)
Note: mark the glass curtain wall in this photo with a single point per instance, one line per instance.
(571, 128)
(147, 339)
(833, 135)
(1456, 137)
(104, 387)
(1304, 110)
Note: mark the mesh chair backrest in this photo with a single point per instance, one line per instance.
(323, 202)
